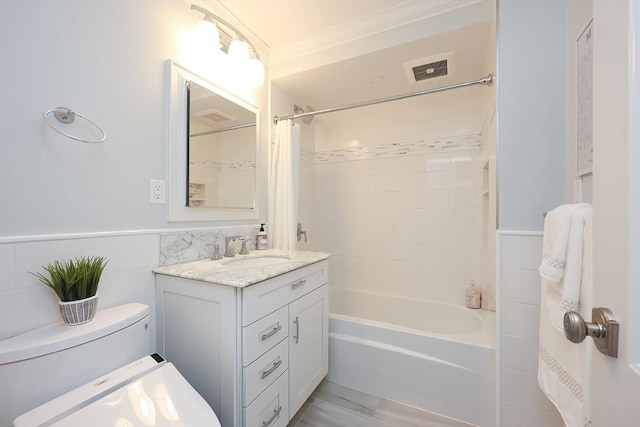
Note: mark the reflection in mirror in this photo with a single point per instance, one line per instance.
(221, 166)
(214, 158)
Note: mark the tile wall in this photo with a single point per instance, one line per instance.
(401, 223)
(522, 403)
(26, 304)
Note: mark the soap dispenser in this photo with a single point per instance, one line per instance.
(472, 296)
(261, 238)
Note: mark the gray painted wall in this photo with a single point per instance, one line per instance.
(531, 95)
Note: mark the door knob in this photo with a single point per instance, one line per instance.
(603, 329)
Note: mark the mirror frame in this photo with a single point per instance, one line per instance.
(178, 156)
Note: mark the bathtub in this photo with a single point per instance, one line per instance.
(431, 355)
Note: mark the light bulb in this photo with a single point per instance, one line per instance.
(238, 50)
(208, 34)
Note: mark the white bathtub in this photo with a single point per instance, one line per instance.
(431, 355)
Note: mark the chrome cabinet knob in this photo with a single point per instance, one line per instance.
(603, 329)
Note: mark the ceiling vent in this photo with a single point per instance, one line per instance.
(431, 67)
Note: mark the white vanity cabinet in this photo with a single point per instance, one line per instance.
(256, 352)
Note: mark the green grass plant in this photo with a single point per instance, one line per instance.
(74, 279)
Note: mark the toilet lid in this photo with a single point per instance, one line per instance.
(160, 397)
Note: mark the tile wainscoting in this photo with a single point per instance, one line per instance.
(26, 304)
(521, 402)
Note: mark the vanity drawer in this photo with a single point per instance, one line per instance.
(263, 298)
(271, 408)
(264, 371)
(260, 336)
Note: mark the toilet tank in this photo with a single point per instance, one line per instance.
(42, 364)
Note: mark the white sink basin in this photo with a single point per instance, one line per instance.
(256, 261)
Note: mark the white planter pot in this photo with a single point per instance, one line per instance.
(80, 311)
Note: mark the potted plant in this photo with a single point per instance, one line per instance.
(75, 281)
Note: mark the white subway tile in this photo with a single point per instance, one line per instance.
(438, 162)
(466, 178)
(465, 198)
(519, 353)
(366, 233)
(421, 270)
(524, 252)
(522, 387)
(522, 320)
(395, 182)
(22, 310)
(440, 180)
(466, 160)
(466, 217)
(126, 286)
(124, 253)
(520, 285)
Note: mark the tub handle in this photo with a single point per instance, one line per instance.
(276, 412)
(297, 335)
(275, 366)
(271, 333)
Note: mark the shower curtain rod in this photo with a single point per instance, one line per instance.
(483, 81)
(209, 132)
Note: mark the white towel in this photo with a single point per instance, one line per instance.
(557, 225)
(562, 257)
(564, 367)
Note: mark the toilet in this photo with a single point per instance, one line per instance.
(98, 374)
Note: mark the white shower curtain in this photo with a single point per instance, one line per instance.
(282, 198)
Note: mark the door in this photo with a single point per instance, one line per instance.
(308, 345)
(616, 194)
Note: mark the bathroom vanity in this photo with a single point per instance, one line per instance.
(250, 333)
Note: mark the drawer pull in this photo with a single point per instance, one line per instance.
(271, 333)
(298, 284)
(275, 366)
(276, 412)
(297, 335)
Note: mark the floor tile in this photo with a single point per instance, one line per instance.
(400, 415)
(346, 398)
(325, 414)
(332, 405)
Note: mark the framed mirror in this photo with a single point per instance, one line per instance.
(213, 143)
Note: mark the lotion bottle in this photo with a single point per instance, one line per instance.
(472, 296)
(261, 238)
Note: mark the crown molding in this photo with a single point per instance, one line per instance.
(405, 13)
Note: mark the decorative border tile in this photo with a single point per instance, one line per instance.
(398, 149)
(223, 166)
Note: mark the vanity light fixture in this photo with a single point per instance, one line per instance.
(216, 34)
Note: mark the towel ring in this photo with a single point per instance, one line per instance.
(67, 115)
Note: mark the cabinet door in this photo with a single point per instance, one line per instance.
(308, 345)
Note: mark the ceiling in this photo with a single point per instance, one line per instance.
(325, 53)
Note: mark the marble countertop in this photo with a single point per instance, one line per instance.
(207, 270)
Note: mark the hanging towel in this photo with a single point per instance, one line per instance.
(564, 367)
(557, 224)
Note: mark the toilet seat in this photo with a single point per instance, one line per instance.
(147, 392)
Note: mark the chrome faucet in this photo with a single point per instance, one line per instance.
(243, 250)
(215, 251)
(229, 248)
(300, 232)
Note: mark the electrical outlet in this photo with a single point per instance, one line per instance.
(156, 191)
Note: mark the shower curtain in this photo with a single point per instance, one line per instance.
(282, 198)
